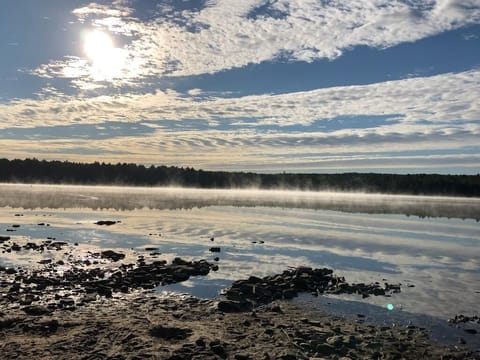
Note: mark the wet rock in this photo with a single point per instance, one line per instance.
(215, 249)
(106, 222)
(464, 319)
(16, 247)
(112, 255)
(9, 271)
(55, 245)
(303, 279)
(4, 238)
(15, 226)
(470, 331)
(170, 333)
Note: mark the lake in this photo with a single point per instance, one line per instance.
(431, 245)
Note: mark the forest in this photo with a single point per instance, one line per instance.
(66, 172)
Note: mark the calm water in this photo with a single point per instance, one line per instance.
(431, 243)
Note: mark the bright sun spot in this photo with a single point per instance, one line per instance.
(107, 60)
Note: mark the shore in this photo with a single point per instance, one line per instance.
(69, 306)
(145, 327)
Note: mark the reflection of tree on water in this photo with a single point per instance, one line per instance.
(57, 197)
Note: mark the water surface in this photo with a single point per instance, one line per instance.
(429, 244)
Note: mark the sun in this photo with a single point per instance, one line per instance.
(97, 45)
(107, 61)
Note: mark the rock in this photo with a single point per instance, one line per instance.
(325, 349)
(112, 255)
(49, 326)
(288, 356)
(470, 331)
(106, 222)
(215, 249)
(4, 238)
(151, 249)
(229, 306)
(16, 247)
(336, 341)
(36, 310)
(170, 333)
(10, 271)
(200, 342)
(242, 357)
(218, 349)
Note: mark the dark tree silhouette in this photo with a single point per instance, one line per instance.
(65, 172)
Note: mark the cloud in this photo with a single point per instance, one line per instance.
(118, 9)
(424, 104)
(265, 132)
(226, 34)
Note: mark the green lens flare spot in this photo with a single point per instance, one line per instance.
(390, 307)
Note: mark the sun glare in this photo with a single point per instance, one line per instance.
(107, 60)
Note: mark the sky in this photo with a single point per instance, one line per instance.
(321, 86)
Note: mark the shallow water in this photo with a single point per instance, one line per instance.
(363, 237)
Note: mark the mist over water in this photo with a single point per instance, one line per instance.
(429, 243)
(131, 198)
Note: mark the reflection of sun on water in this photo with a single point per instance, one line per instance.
(107, 60)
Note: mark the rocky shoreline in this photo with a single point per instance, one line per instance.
(101, 308)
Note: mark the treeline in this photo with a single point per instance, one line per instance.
(65, 172)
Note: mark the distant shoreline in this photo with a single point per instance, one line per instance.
(123, 174)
